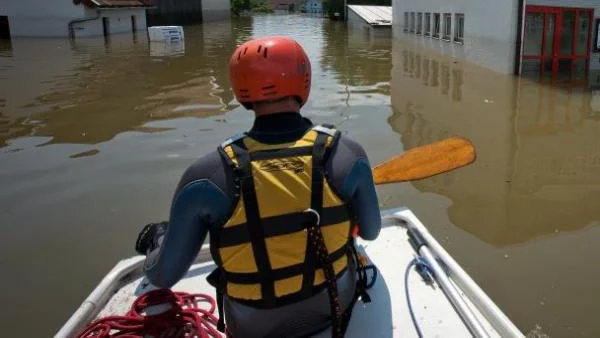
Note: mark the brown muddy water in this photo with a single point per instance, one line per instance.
(94, 135)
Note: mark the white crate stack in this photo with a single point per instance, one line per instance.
(166, 33)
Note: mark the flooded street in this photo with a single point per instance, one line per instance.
(95, 134)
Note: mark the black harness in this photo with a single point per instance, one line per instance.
(317, 255)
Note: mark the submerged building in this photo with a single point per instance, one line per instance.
(169, 12)
(510, 36)
(84, 18)
(75, 18)
(374, 21)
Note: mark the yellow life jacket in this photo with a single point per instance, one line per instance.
(264, 252)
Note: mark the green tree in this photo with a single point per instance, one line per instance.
(333, 6)
(261, 7)
(238, 6)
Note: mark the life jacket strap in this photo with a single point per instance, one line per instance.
(362, 284)
(217, 280)
(316, 201)
(255, 228)
(316, 249)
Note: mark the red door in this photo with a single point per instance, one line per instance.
(557, 40)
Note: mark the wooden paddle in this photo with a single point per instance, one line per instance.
(426, 161)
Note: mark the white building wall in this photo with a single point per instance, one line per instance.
(215, 10)
(119, 22)
(490, 29)
(355, 22)
(42, 18)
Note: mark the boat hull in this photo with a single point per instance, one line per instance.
(436, 312)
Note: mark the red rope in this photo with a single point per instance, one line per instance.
(184, 318)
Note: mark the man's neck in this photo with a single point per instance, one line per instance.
(279, 128)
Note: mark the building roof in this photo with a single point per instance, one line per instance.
(374, 15)
(114, 3)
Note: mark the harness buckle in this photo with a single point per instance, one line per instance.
(325, 130)
(316, 215)
(232, 139)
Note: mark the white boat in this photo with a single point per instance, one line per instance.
(452, 306)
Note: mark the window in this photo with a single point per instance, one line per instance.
(420, 23)
(447, 26)
(459, 29)
(406, 21)
(436, 25)
(412, 22)
(106, 26)
(4, 28)
(427, 24)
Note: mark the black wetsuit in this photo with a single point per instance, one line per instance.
(205, 197)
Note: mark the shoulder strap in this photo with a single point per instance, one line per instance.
(316, 204)
(232, 139)
(229, 141)
(255, 228)
(316, 249)
(327, 129)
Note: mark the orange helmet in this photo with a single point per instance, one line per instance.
(270, 68)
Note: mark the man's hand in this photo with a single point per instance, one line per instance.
(149, 236)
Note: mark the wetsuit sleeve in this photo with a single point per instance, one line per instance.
(351, 176)
(202, 201)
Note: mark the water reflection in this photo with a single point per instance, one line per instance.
(167, 48)
(360, 64)
(89, 90)
(448, 76)
(538, 167)
(92, 141)
(5, 48)
(357, 58)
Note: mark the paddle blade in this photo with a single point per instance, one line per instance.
(426, 161)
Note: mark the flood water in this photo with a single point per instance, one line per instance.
(95, 134)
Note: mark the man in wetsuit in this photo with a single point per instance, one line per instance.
(281, 203)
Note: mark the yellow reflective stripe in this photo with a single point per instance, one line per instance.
(238, 217)
(239, 258)
(286, 250)
(244, 291)
(287, 286)
(231, 154)
(286, 190)
(330, 199)
(336, 236)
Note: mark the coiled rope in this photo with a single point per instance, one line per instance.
(189, 315)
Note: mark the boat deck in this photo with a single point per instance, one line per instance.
(386, 316)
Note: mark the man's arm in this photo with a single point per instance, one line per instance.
(352, 175)
(364, 199)
(201, 202)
